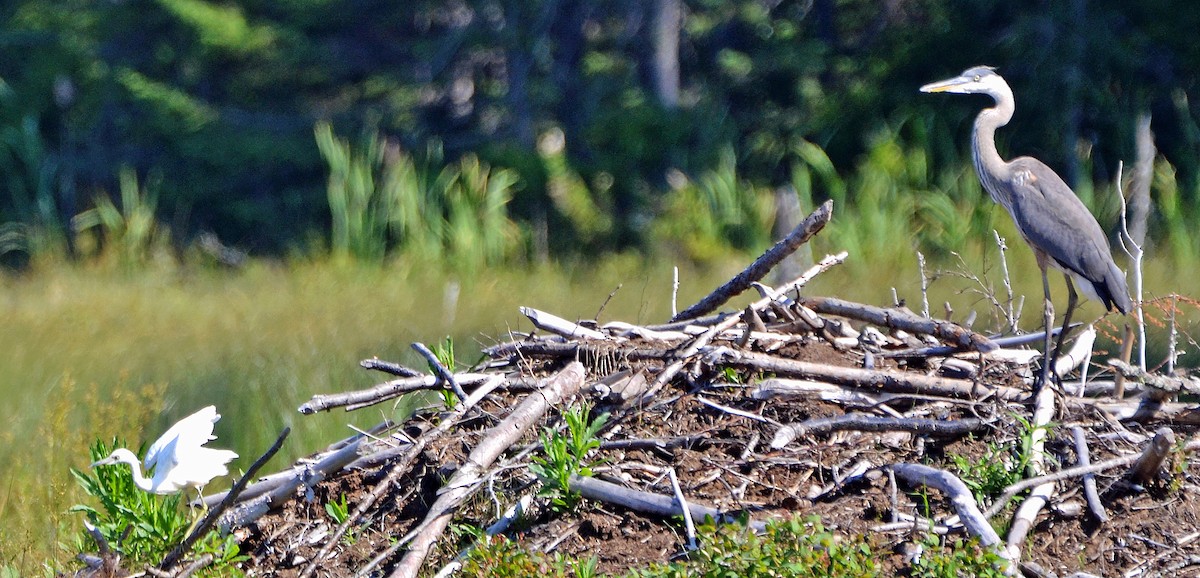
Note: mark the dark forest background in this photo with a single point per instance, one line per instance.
(213, 105)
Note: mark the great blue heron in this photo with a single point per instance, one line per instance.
(1051, 219)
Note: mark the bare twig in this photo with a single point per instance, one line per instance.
(811, 225)
(448, 379)
(960, 497)
(1089, 480)
(389, 367)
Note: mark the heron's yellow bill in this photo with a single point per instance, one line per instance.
(941, 85)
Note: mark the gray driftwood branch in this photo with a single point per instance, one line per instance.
(810, 226)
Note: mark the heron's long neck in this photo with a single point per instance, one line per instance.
(988, 164)
(140, 480)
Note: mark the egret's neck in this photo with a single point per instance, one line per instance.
(988, 163)
(141, 481)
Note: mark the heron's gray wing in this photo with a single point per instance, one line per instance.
(1053, 219)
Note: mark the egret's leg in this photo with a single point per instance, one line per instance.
(1048, 320)
(197, 517)
(1072, 301)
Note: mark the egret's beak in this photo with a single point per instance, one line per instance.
(948, 85)
(104, 462)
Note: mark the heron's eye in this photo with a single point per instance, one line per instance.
(976, 78)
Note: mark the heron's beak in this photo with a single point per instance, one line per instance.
(948, 85)
(104, 462)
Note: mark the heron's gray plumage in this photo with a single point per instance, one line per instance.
(1048, 214)
(1046, 211)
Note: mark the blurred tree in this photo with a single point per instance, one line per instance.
(221, 96)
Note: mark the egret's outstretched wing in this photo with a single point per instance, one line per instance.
(192, 431)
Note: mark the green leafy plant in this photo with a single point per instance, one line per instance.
(338, 510)
(444, 352)
(788, 548)
(566, 455)
(959, 558)
(1000, 466)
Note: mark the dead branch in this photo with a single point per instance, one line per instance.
(960, 497)
(1089, 480)
(1166, 385)
(386, 391)
(648, 502)
(205, 524)
(879, 379)
(447, 421)
(865, 423)
(389, 367)
(1069, 473)
(559, 326)
(464, 481)
(1148, 465)
(1022, 521)
(446, 376)
(902, 320)
(810, 226)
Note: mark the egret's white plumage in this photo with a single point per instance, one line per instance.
(178, 458)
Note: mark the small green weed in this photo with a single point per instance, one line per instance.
(499, 557)
(961, 558)
(796, 547)
(1000, 466)
(444, 352)
(566, 455)
(338, 510)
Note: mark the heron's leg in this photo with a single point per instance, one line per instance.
(1048, 321)
(1072, 301)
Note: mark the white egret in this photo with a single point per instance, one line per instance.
(178, 458)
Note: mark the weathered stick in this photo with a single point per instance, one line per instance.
(1067, 474)
(852, 422)
(1022, 522)
(310, 475)
(960, 497)
(386, 391)
(1073, 358)
(1089, 480)
(442, 371)
(466, 479)
(811, 224)
(1166, 385)
(779, 387)
(648, 502)
(1147, 466)
(880, 379)
(559, 326)
(389, 367)
(897, 319)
